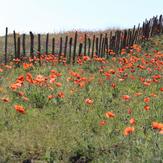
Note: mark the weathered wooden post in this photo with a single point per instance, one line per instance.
(133, 35)
(113, 43)
(60, 50)
(100, 45)
(6, 37)
(97, 50)
(85, 44)
(117, 41)
(32, 46)
(75, 43)
(106, 45)
(160, 24)
(23, 45)
(136, 35)
(89, 46)
(128, 37)
(39, 44)
(80, 50)
(93, 44)
(47, 43)
(70, 50)
(121, 41)
(65, 48)
(124, 39)
(39, 48)
(53, 46)
(109, 43)
(14, 34)
(18, 48)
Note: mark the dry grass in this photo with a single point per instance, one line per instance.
(51, 35)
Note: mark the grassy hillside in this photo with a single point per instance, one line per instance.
(95, 111)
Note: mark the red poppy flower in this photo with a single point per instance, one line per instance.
(61, 95)
(126, 97)
(26, 65)
(5, 99)
(88, 101)
(147, 100)
(161, 132)
(58, 84)
(110, 114)
(50, 97)
(19, 109)
(138, 94)
(146, 107)
(132, 121)
(157, 125)
(129, 111)
(113, 85)
(128, 130)
(102, 123)
(1, 70)
(25, 99)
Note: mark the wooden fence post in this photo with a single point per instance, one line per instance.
(85, 44)
(47, 43)
(124, 39)
(65, 48)
(15, 44)
(118, 41)
(75, 43)
(139, 34)
(160, 24)
(6, 37)
(39, 43)
(97, 50)
(113, 43)
(136, 35)
(133, 35)
(109, 43)
(106, 45)
(102, 47)
(128, 38)
(18, 48)
(80, 50)
(70, 50)
(23, 45)
(39, 48)
(147, 30)
(60, 50)
(89, 46)
(121, 41)
(53, 46)
(100, 44)
(93, 44)
(32, 46)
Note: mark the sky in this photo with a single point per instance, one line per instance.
(43, 16)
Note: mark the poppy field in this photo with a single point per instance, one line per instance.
(98, 110)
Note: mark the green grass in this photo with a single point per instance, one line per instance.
(68, 130)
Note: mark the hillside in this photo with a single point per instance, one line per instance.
(99, 110)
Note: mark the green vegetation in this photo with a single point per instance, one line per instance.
(79, 113)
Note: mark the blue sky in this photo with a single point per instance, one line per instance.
(60, 15)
